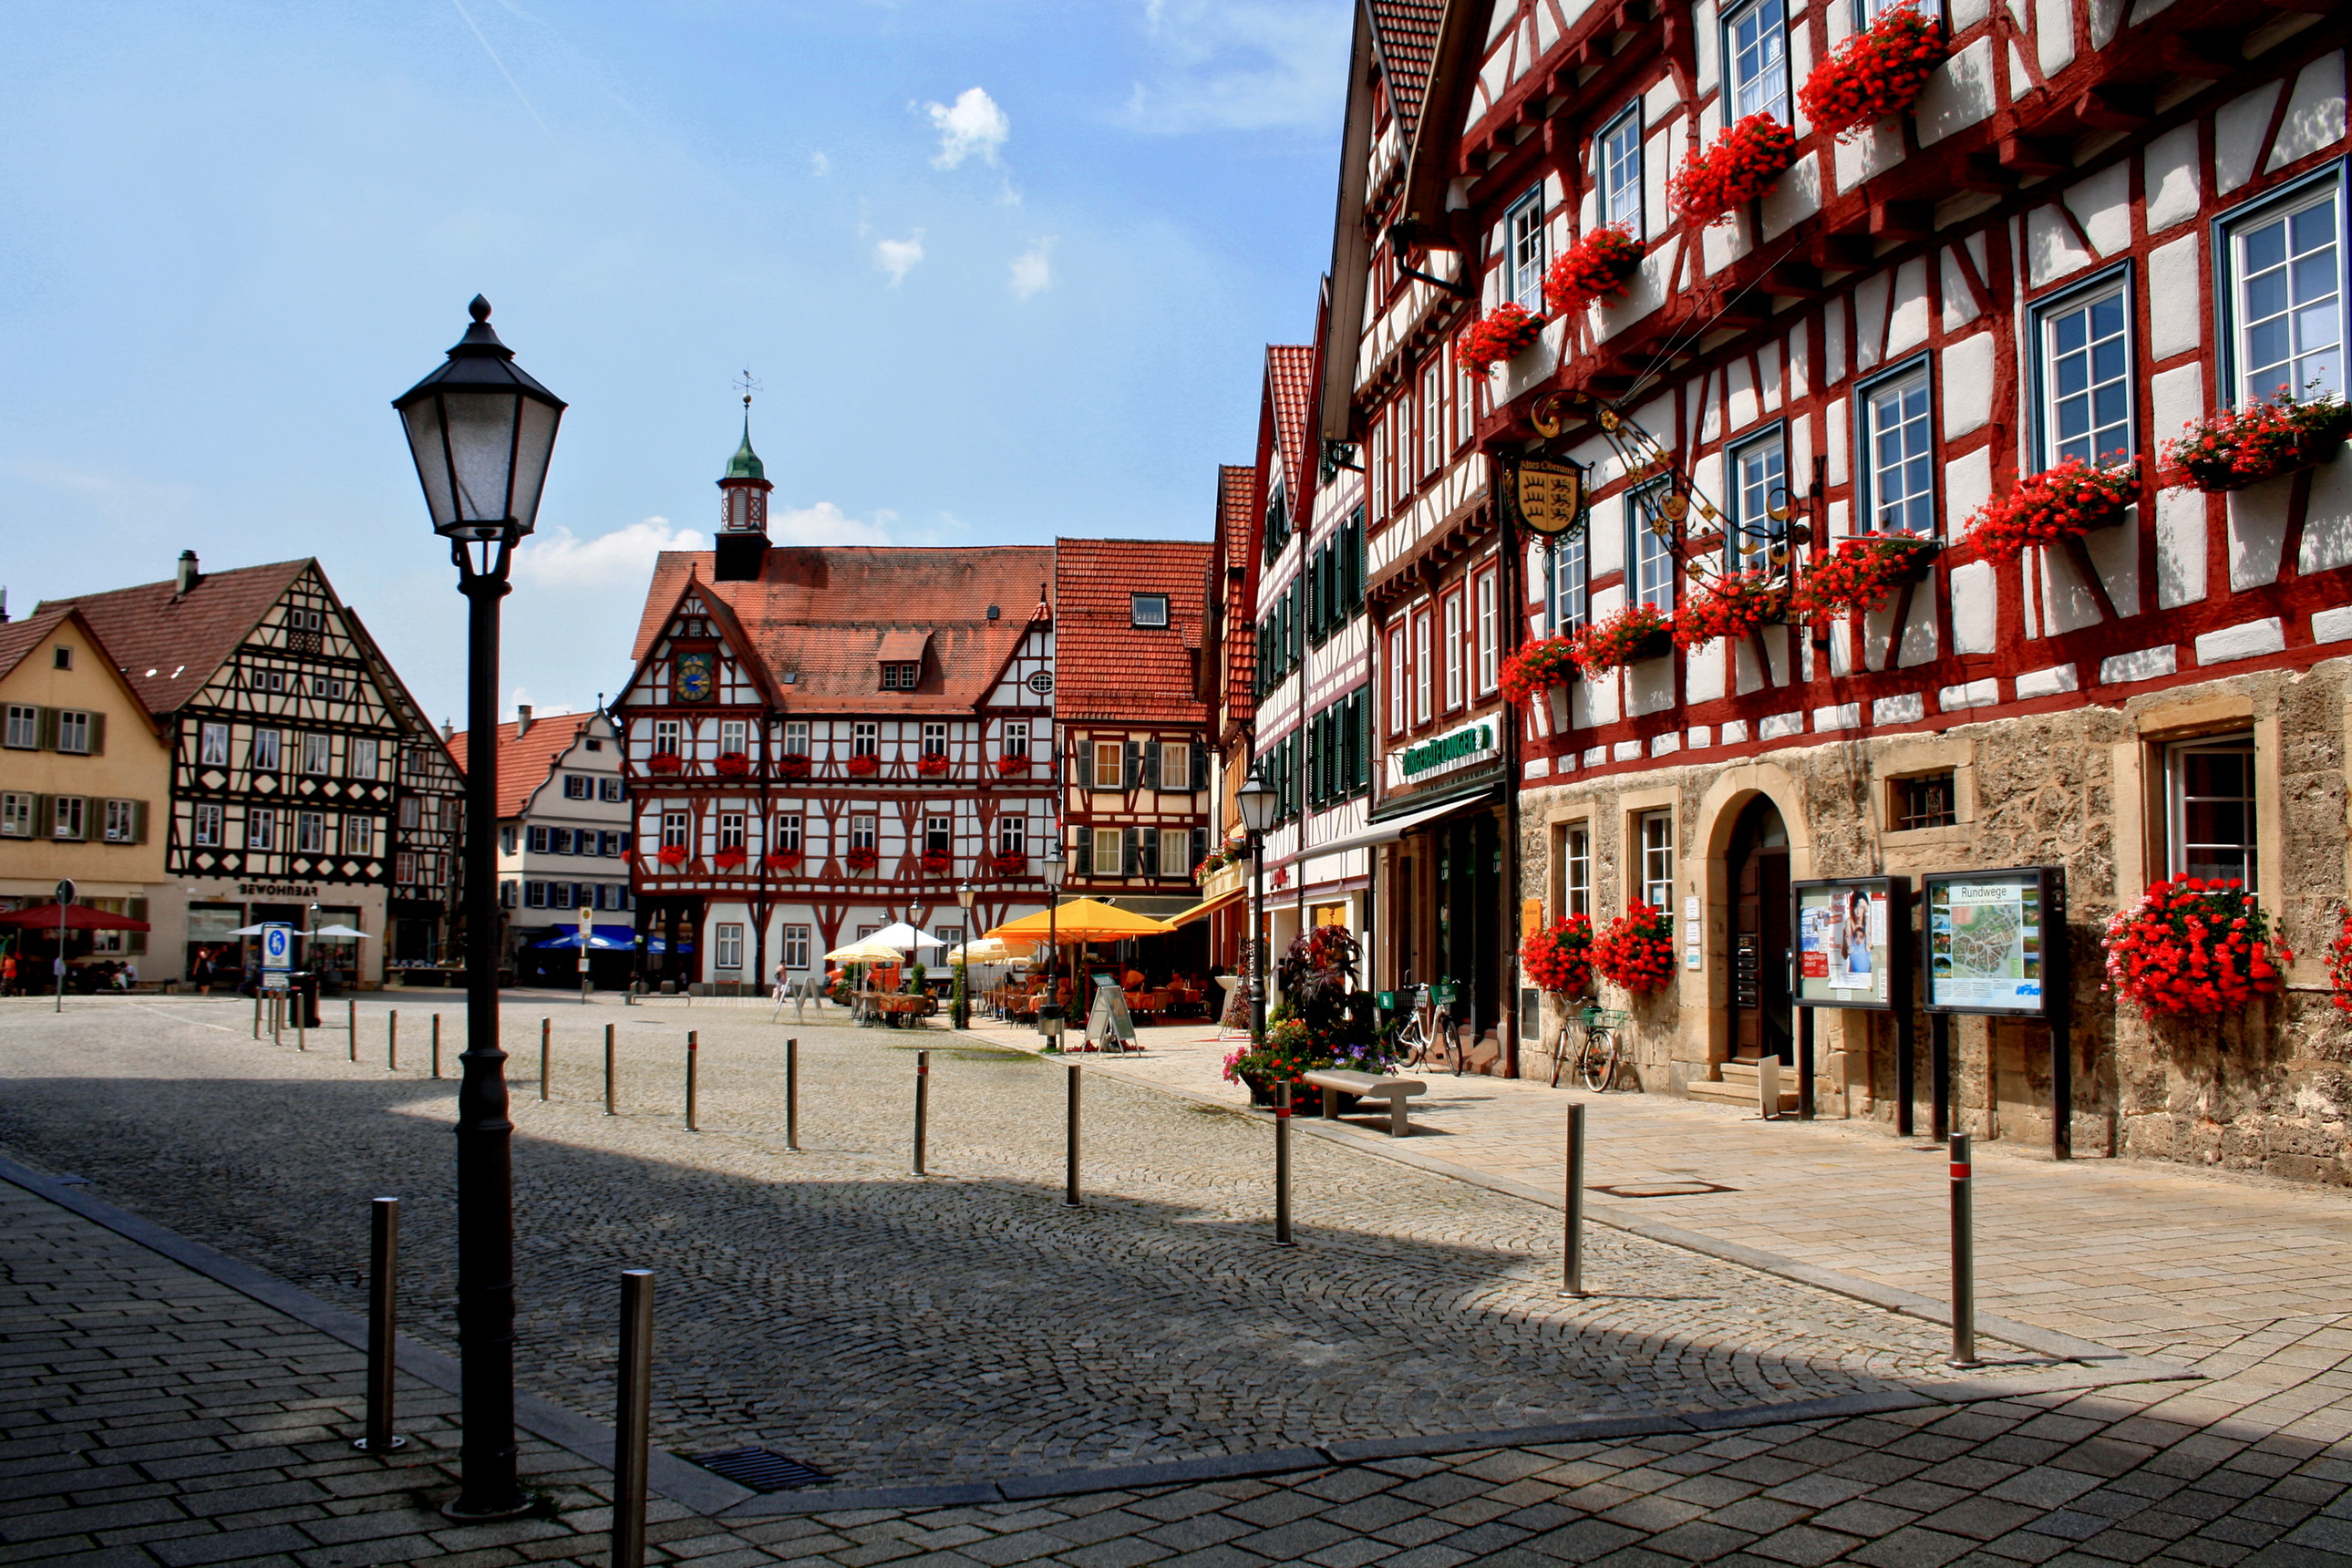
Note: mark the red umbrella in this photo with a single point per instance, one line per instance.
(78, 917)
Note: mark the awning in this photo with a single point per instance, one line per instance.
(1207, 906)
(1387, 832)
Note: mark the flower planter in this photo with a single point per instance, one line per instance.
(861, 859)
(1306, 1100)
(1637, 950)
(783, 860)
(672, 854)
(733, 764)
(1743, 164)
(1876, 74)
(795, 767)
(937, 864)
(1558, 958)
(865, 767)
(1629, 636)
(931, 767)
(1597, 266)
(729, 859)
(1007, 767)
(1859, 575)
(2240, 447)
(2193, 949)
(2065, 502)
(1539, 665)
(1730, 606)
(1507, 330)
(1009, 865)
(665, 762)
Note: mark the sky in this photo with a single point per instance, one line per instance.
(1000, 269)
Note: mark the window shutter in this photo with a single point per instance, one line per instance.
(1151, 772)
(1085, 853)
(1143, 852)
(1131, 773)
(1200, 771)
(1200, 845)
(1126, 852)
(49, 741)
(98, 734)
(135, 942)
(41, 818)
(1364, 738)
(139, 824)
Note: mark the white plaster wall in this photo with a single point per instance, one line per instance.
(2237, 129)
(2315, 112)
(2101, 205)
(2174, 324)
(1907, 326)
(2327, 521)
(2180, 548)
(1968, 378)
(1961, 92)
(2171, 178)
(2050, 249)
(1976, 607)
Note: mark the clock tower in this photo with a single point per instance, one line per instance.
(742, 513)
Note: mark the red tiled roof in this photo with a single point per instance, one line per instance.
(19, 638)
(1404, 32)
(823, 615)
(901, 648)
(1105, 666)
(167, 645)
(1290, 385)
(524, 764)
(1237, 523)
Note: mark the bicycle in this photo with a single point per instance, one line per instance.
(1425, 1030)
(1600, 1058)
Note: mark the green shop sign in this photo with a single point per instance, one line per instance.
(1467, 741)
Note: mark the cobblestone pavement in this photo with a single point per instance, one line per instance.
(886, 1328)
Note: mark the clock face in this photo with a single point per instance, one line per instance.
(695, 677)
(1041, 682)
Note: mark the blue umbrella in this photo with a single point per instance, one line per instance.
(602, 939)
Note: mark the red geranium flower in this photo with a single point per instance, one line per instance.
(2235, 448)
(1637, 950)
(1538, 666)
(1873, 75)
(1742, 165)
(1597, 266)
(1858, 575)
(1730, 606)
(2057, 503)
(1505, 330)
(1632, 635)
(2190, 947)
(1558, 958)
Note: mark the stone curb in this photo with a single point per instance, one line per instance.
(676, 1479)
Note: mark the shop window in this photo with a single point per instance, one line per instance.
(2085, 369)
(1617, 171)
(1898, 456)
(1756, 49)
(2209, 819)
(2284, 295)
(1926, 800)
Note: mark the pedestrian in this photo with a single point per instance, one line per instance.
(8, 972)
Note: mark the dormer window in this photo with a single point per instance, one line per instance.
(901, 675)
(1147, 609)
(901, 657)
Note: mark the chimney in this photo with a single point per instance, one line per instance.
(188, 576)
(448, 731)
(522, 720)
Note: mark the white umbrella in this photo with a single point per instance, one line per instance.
(988, 950)
(248, 931)
(904, 937)
(866, 951)
(339, 931)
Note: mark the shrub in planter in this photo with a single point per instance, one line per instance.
(931, 765)
(1742, 165)
(1875, 74)
(1637, 950)
(865, 766)
(2235, 448)
(1009, 765)
(2063, 502)
(729, 859)
(1730, 606)
(936, 863)
(1632, 635)
(672, 854)
(1558, 958)
(1536, 668)
(1859, 574)
(864, 859)
(1597, 266)
(1506, 329)
(794, 765)
(2191, 947)
(782, 860)
(733, 764)
(1009, 865)
(665, 762)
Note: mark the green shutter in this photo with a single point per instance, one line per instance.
(48, 741)
(1085, 853)
(1128, 863)
(98, 734)
(1152, 775)
(135, 940)
(42, 821)
(1131, 765)
(139, 825)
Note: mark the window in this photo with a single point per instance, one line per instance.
(1175, 765)
(24, 732)
(120, 821)
(1396, 681)
(206, 826)
(1925, 801)
(1107, 852)
(2209, 826)
(1524, 233)
(939, 835)
(1657, 867)
(69, 817)
(1110, 762)
(362, 758)
(16, 808)
(735, 735)
(359, 836)
(260, 828)
(2285, 294)
(796, 738)
(1617, 171)
(797, 947)
(610, 789)
(935, 740)
(535, 839)
(327, 686)
(74, 732)
(865, 739)
(1571, 586)
(730, 830)
(676, 829)
(1422, 671)
(2086, 378)
(577, 786)
(403, 870)
(1454, 694)
(669, 737)
(309, 833)
(318, 755)
(1012, 836)
(1175, 847)
(1649, 547)
(1016, 737)
(1433, 417)
(212, 744)
(901, 675)
(1147, 609)
(61, 659)
(1489, 632)
(861, 832)
(265, 750)
(409, 815)
(1760, 502)
(788, 833)
(1576, 870)
(1898, 465)
(1756, 46)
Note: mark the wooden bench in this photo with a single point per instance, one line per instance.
(1337, 1082)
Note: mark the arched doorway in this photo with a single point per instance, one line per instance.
(1757, 865)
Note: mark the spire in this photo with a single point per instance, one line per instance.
(742, 505)
(745, 464)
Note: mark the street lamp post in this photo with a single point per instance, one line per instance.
(1259, 803)
(1055, 869)
(963, 1011)
(481, 432)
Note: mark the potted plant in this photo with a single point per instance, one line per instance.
(1637, 950)
(1008, 764)
(865, 765)
(936, 862)
(1558, 958)
(2191, 947)
(1506, 329)
(733, 764)
(1629, 636)
(931, 764)
(782, 860)
(1729, 605)
(672, 854)
(862, 858)
(1742, 165)
(730, 859)
(1538, 667)
(2063, 502)
(1287, 1056)
(1859, 575)
(1875, 74)
(2234, 447)
(794, 765)
(1009, 863)
(665, 762)
(1597, 266)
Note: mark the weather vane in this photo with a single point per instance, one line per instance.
(745, 385)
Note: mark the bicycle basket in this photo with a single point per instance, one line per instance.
(1444, 993)
(1387, 1000)
(1605, 1018)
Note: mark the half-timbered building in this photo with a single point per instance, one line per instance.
(1229, 686)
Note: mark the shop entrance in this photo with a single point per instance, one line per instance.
(1758, 866)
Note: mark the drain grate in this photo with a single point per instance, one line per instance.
(761, 1469)
(1664, 1189)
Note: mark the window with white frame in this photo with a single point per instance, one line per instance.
(1617, 171)
(310, 833)
(1396, 681)
(730, 830)
(677, 830)
(788, 833)
(16, 808)
(935, 740)
(1760, 501)
(1571, 583)
(1576, 870)
(2209, 826)
(1756, 44)
(1110, 764)
(409, 814)
(403, 870)
(735, 737)
(1175, 851)
(1012, 836)
(2286, 297)
(866, 738)
(669, 737)
(861, 831)
(610, 788)
(260, 828)
(1524, 233)
(1107, 853)
(122, 822)
(318, 755)
(205, 826)
(69, 816)
(1016, 737)
(1899, 456)
(2085, 375)
(1147, 609)
(796, 738)
(1423, 673)
(212, 744)
(729, 944)
(24, 732)
(578, 787)
(1455, 693)
(363, 763)
(1433, 417)
(796, 946)
(1490, 631)
(939, 835)
(75, 732)
(359, 836)
(1176, 766)
(1649, 545)
(1656, 837)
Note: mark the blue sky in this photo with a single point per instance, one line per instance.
(1003, 268)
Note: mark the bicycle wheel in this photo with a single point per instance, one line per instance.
(1597, 1066)
(1558, 1055)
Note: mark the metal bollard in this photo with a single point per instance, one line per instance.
(391, 1043)
(922, 1105)
(352, 1024)
(632, 1418)
(793, 1094)
(693, 1057)
(1282, 1165)
(301, 1020)
(1964, 1256)
(1070, 1180)
(436, 1045)
(543, 1027)
(1571, 1255)
(611, 1109)
(383, 1310)
(257, 1014)
(277, 1018)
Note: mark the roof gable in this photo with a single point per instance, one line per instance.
(169, 645)
(1105, 666)
(525, 763)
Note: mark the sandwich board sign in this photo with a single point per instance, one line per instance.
(276, 954)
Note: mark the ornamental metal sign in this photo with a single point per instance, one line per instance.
(1551, 496)
(1471, 743)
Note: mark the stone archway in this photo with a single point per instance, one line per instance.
(1728, 799)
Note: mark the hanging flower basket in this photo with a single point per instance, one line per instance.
(861, 859)
(731, 859)
(1536, 668)
(665, 762)
(1558, 958)
(2063, 502)
(1740, 167)
(1009, 865)
(1597, 266)
(2235, 448)
(1859, 575)
(1509, 329)
(936, 863)
(733, 764)
(672, 854)
(794, 765)
(1730, 606)
(1009, 765)
(1875, 74)
(2191, 947)
(931, 765)
(1637, 950)
(865, 766)
(782, 860)
(1629, 636)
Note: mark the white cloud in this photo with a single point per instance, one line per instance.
(825, 523)
(1032, 270)
(971, 124)
(558, 558)
(898, 256)
(820, 165)
(1243, 65)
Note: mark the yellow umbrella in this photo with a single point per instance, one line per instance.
(869, 952)
(1083, 920)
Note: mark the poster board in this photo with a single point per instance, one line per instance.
(1108, 1024)
(1850, 936)
(1991, 941)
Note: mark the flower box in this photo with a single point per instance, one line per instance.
(782, 860)
(2063, 502)
(1597, 266)
(1629, 636)
(1637, 950)
(865, 766)
(1730, 606)
(1740, 167)
(936, 863)
(1859, 575)
(792, 765)
(1558, 958)
(733, 764)
(731, 859)
(1509, 329)
(2234, 447)
(672, 854)
(1009, 865)
(2191, 947)
(665, 762)
(1874, 75)
(1538, 667)
(1009, 765)
(861, 859)
(931, 765)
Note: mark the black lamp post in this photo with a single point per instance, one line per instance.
(481, 432)
(1055, 869)
(965, 894)
(1259, 803)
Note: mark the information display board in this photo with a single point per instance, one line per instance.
(1989, 940)
(1848, 935)
(276, 954)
